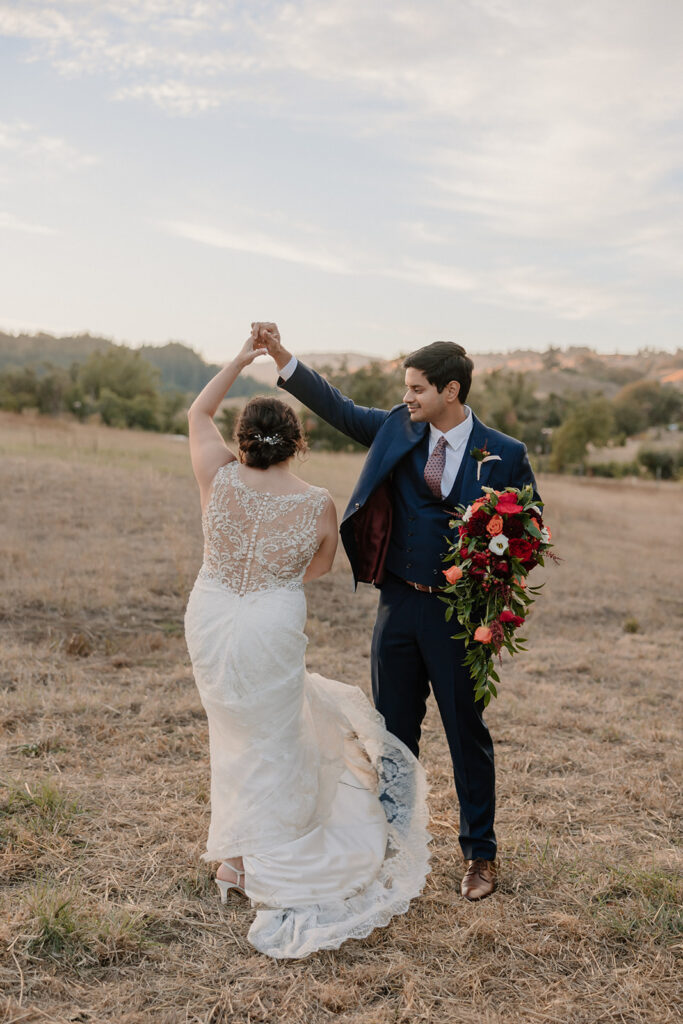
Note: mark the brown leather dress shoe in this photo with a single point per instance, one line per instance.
(479, 880)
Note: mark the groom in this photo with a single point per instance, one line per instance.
(420, 465)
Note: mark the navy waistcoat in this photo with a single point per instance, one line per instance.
(420, 527)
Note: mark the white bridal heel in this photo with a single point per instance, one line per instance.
(226, 886)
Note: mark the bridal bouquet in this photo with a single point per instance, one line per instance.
(498, 541)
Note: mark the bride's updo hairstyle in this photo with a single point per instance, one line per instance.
(267, 432)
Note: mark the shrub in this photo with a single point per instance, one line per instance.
(615, 470)
(662, 463)
(590, 421)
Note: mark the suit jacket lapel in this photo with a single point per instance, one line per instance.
(470, 487)
(379, 465)
(405, 440)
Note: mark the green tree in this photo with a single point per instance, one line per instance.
(18, 389)
(172, 418)
(52, 390)
(591, 420)
(662, 463)
(507, 401)
(123, 387)
(227, 421)
(374, 386)
(646, 403)
(120, 370)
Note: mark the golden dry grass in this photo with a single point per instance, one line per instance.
(107, 912)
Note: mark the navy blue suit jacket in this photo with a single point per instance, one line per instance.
(366, 525)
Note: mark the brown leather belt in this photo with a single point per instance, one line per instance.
(422, 587)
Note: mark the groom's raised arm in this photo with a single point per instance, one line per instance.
(356, 421)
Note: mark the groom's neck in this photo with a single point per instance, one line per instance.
(450, 417)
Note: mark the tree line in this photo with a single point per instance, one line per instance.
(144, 388)
(558, 428)
(150, 389)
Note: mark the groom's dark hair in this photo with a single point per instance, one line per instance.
(441, 362)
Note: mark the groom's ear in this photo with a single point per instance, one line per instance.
(452, 390)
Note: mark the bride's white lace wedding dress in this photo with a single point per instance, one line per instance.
(326, 807)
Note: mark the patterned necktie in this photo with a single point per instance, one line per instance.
(434, 467)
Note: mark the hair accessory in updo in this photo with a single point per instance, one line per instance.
(268, 432)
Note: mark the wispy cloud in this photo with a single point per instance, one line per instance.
(513, 128)
(533, 118)
(175, 97)
(9, 222)
(27, 143)
(260, 244)
(525, 287)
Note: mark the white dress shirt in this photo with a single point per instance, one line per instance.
(456, 437)
(289, 368)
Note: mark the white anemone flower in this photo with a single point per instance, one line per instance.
(499, 544)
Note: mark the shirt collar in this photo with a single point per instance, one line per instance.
(456, 436)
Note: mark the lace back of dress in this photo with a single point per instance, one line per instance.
(254, 540)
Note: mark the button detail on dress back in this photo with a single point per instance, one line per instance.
(256, 540)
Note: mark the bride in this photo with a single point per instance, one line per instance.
(318, 814)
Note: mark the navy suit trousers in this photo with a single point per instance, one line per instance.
(411, 648)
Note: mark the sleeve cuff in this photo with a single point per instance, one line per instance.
(288, 369)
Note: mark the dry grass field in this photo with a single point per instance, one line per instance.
(107, 912)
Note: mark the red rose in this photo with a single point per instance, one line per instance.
(501, 567)
(520, 548)
(507, 504)
(508, 616)
(463, 550)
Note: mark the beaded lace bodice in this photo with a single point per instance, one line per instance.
(255, 540)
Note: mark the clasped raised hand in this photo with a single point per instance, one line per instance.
(267, 335)
(252, 348)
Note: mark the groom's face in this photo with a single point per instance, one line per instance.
(425, 403)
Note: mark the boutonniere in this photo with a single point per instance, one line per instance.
(482, 455)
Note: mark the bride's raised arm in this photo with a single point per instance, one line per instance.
(208, 450)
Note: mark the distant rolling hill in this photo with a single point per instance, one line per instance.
(568, 372)
(180, 367)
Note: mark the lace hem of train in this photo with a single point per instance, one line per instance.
(402, 788)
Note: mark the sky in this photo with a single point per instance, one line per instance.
(371, 176)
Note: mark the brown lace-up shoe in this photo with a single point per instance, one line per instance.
(479, 880)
